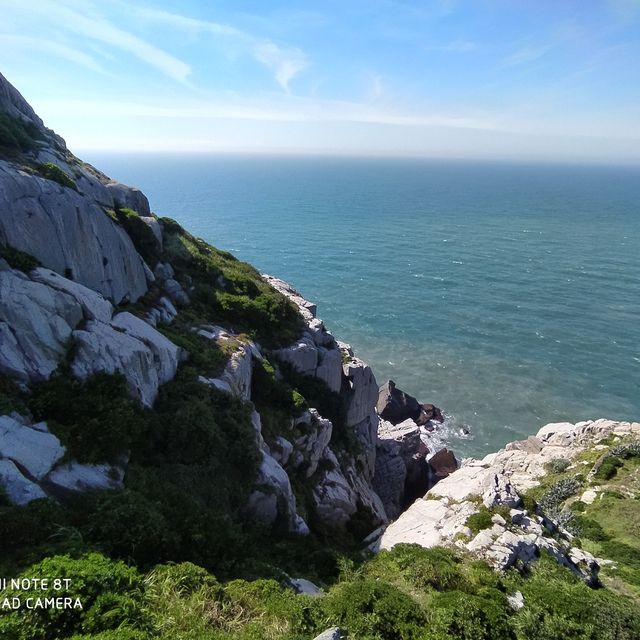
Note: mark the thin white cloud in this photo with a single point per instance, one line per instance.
(284, 62)
(455, 46)
(289, 110)
(527, 54)
(49, 47)
(65, 18)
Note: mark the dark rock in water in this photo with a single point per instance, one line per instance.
(429, 412)
(395, 406)
(441, 465)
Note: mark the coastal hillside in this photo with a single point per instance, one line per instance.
(187, 446)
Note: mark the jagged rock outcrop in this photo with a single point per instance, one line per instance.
(36, 323)
(75, 236)
(130, 346)
(497, 481)
(272, 502)
(400, 472)
(342, 487)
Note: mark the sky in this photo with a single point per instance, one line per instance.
(551, 80)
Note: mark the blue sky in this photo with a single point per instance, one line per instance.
(525, 79)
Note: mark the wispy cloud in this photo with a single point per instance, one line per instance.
(94, 27)
(455, 46)
(49, 47)
(527, 54)
(289, 109)
(283, 61)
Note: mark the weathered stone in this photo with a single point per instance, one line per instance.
(74, 236)
(302, 355)
(360, 392)
(18, 489)
(442, 464)
(309, 448)
(176, 293)
(36, 322)
(272, 499)
(394, 405)
(329, 368)
(302, 585)
(154, 224)
(335, 633)
(129, 198)
(34, 451)
(129, 346)
(76, 477)
(93, 305)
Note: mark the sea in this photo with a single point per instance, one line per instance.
(507, 294)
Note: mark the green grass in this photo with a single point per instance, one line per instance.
(143, 239)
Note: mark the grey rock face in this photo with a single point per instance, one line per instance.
(32, 450)
(74, 236)
(19, 490)
(130, 198)
(93, 305)
(36, 321)
(75, 477)
(129, 346)
(273, 498)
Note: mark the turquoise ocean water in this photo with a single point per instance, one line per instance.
(508, 295)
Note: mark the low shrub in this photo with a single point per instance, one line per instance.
(96, 419)
(557, 465)
(110, 594)
(608, 469)
(480, 520)
(16, 135)
(375, 610)
(52, 171)
(18, 259)
(143, 239)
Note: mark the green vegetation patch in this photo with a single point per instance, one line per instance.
(18, 259)
(96, 420)
(52, 171)
(230, 292)
(16, 135)
(142, 236)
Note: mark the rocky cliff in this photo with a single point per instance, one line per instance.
(91, 282)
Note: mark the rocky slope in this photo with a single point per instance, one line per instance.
(91, 282)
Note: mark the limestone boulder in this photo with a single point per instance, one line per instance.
(129, 198)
